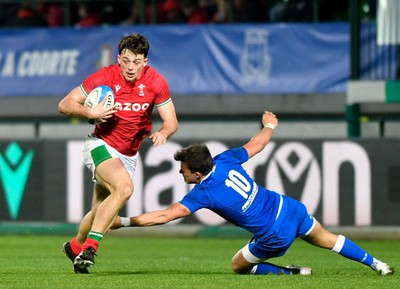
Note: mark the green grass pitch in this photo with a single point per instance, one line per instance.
(29, 261)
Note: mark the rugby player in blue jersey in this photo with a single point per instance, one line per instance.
(223, 186)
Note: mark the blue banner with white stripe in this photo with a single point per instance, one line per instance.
(195, 59)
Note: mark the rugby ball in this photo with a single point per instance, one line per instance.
(98, 94)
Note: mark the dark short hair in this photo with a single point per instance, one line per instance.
(197, 157)
(135, 43)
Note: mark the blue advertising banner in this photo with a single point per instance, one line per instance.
(201, 59)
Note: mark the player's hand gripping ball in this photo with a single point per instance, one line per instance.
(97, 95)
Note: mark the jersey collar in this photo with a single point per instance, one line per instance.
(209, 174)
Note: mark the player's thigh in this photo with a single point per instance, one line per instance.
(97, 153)
(112, 175)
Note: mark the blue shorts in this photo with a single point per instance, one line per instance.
(293, 221)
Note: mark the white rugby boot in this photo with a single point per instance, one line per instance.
(381, 268)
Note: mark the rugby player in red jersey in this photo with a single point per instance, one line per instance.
(110, 152)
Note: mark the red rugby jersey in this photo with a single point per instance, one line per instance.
(128, 127)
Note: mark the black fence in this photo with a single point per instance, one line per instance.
(70, 12)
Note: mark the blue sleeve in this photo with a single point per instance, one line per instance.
(239, 155)
(195, 200)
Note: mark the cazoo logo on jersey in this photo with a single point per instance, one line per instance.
(308, 170)
(129, 106)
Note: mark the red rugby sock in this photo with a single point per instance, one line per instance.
(90, 243)
(75, 246)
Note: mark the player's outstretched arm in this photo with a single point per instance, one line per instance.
(260, 140)
(160, 217)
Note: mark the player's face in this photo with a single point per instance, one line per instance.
(188, 176)
(131, 65)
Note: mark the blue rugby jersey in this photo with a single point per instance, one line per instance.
(230, 192)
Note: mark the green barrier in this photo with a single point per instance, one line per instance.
(19, 228)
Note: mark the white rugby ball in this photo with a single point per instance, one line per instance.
(98, 94)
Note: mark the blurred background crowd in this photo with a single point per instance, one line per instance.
(129, 12)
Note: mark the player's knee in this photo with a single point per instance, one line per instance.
(127, 193)
(239, 269)
(124, 193)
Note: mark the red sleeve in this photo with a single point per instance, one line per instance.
(161, 89)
